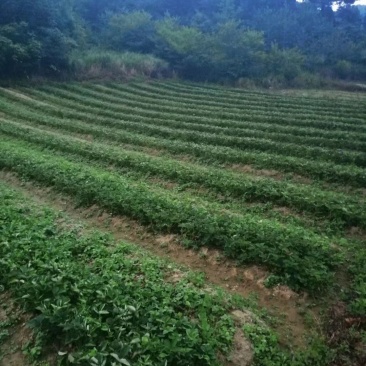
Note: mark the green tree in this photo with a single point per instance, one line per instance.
(284, 64)
(184, 47)
(20, 52)
(36, 35)
(237, 52)
(131, 31)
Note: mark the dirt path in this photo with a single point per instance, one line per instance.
(280, 302)
(13, 325)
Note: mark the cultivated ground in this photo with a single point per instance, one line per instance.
(262, 193)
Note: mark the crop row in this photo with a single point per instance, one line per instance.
(72, 110)
(300, 197)
(348, 175)
(242, 143)
(247, 238)
(271, 116)
(93, 299)
(146, 171)
(304, 136)
(260, 107)
(239, 95)
(128, 95)
(223, 100)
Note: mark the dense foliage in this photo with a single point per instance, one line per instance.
(280, 41)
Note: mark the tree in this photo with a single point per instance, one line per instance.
(237, 52)
(131, 31)
(20, 52)
(184, 47)
(284, 64)
(202, 39)
(38, 34)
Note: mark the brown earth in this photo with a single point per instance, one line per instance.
(11, 353)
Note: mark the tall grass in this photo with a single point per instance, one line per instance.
(101, 64)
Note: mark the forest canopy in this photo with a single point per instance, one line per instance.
(213, 40)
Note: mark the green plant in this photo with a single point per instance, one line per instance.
(217, 167)
(203, 224)
(100, 304)
(102, 64)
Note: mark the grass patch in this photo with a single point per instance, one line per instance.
(101, 64)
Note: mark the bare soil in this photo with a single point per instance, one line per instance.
(11, 353)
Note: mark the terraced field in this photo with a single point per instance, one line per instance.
(270, 180)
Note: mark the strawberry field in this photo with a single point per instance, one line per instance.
(275, 180)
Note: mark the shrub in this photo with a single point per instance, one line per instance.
(100, 64)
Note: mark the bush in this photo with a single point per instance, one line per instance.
(20, 52)
(285, 64)
(97, 64)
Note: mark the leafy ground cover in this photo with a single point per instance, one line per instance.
(66, 118)
(245, 237)
(269, 179)
(105, 303)
(97, 302)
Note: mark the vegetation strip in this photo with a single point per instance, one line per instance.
(242, 106)
(216, 92)
(325, 171)
(95, 299)
(242, 143)
(309, 136)
(322, 203)
(241, 119)
(247, 238)
(280, 95)
(300, 136)
(80, 93)
(168, 180)
(227, 99)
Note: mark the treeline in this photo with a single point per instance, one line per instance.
(274, 41)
